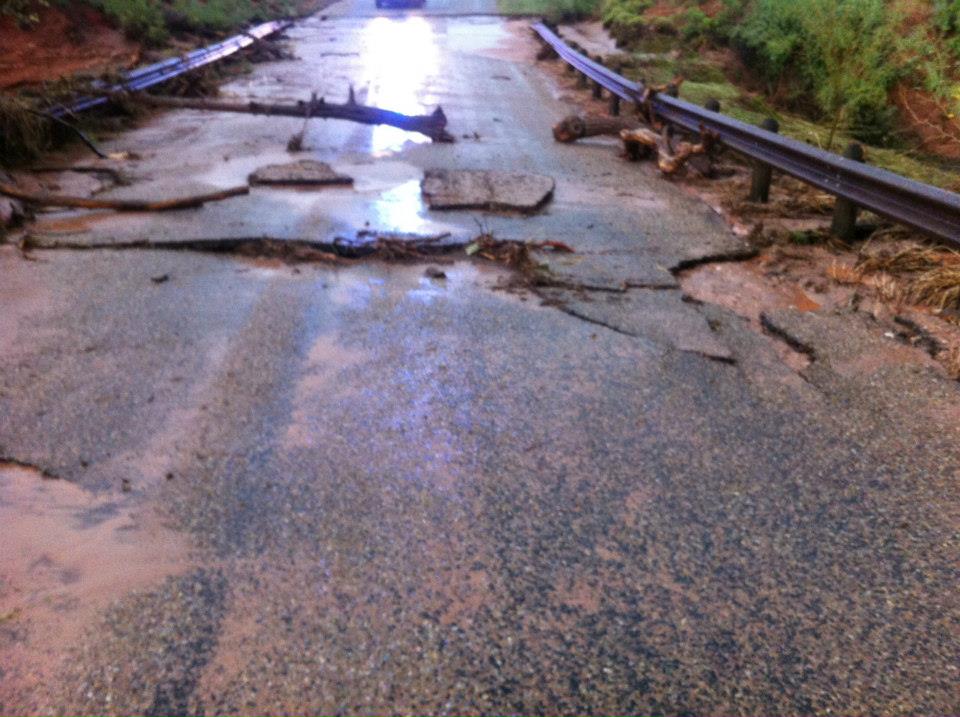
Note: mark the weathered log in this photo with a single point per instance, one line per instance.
(670, 159)
(432, 125)
(123, 205)
(575, 127)
(639, 143)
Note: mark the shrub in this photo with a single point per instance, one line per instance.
(696, 24)
(837, 52)
(848, 59)
(771, 38)
(140, 19)
(24, 12)
(624, 18)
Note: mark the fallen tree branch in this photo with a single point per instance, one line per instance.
(575, 127)
(650, 92)
(123, 205)
(432, 125)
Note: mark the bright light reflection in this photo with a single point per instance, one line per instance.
(400, 59)
(399, 209)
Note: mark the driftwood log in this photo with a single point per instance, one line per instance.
(432, 125)
(575, 127)
(123, 205)
(642, 142)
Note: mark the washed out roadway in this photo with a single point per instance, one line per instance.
(361, 489)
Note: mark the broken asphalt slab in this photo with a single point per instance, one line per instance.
(303, 172)
(485, 189)
(604, 272)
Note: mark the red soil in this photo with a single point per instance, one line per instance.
(929, 120)
(65, 41)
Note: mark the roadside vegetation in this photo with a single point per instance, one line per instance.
(153, 22)
(883, 72)
(553, 10)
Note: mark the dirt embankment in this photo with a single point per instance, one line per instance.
(67, 40)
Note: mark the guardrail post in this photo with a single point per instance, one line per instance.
(844, 225)
(581, 77)
(597, 87)
(762, 172)
(712, 104)
(614, 97)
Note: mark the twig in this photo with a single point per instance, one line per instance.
(73, 128)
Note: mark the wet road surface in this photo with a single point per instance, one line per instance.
(230, 484)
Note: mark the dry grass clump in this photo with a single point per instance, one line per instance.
(930, 276)
(950, 359)
(938, 288)
(906, 261)
(23, 133)
(789, 198)
(845, 275)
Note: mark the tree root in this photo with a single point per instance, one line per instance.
(122, 205)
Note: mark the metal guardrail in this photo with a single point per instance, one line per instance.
(905, 201)
(144, 77)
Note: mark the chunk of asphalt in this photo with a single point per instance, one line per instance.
(605, 272)
(662, 317)
(860, 361)
(304, 171)
(485, 189)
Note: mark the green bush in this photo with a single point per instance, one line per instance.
(771, 38)
(946, 15)
(839, 53)
(214, 15)
(697, 25)
(24, 12)
(624, 18)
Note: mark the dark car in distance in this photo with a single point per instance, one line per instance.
(381, 4)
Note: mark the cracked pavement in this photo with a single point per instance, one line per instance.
(372, 489)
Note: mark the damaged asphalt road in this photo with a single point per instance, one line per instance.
(369, 487)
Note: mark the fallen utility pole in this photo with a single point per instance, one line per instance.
(432, 125)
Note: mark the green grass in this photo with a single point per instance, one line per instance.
(552, 10)
(152, 21)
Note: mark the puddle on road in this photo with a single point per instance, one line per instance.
(393, 284)
(66, 555)
(400, 62)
